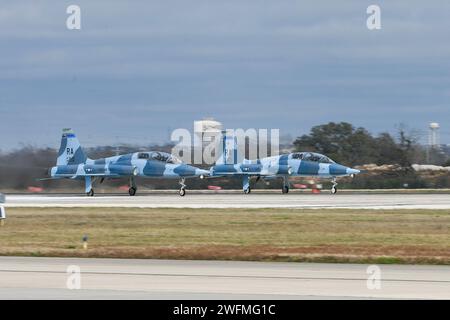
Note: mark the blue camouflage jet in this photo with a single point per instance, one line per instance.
(72, 163)
(298, 164)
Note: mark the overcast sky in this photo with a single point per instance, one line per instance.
(138, 69)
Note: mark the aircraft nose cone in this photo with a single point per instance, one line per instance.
(352, 171)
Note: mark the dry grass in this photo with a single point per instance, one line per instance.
(379, 236)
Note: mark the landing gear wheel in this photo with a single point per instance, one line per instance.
(90, 193)
(285, 189)
(183, 187)
(247, 191)
(132, 191)
(334, 187)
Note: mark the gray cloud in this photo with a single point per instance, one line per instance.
(139, 69)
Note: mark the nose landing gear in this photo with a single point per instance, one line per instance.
(285, 188)
(132, 191)
(183, 188)
(334, 187)
(133, 188)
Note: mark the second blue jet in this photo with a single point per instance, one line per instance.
(298, 164)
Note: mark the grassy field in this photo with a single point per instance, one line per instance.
(361, 236)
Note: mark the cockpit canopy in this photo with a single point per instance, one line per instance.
(159, 156)
(312, 156)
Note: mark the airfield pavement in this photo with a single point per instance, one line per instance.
(46, 278)
(195, 199)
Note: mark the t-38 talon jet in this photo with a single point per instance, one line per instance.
(298, 164)
(72, 163)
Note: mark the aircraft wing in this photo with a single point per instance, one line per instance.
(250, 169)
(224, 174)
(72, 176)
(46, 179)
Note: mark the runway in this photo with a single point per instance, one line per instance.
(46, 278)
(227, 200)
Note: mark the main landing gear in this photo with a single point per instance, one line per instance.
(88, 187)
(246, 184)
(183, 188)
(334, 187)
(247, 189)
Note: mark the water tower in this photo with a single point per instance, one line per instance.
(433, 135)
(205, 130)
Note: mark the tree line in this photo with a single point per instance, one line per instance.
(342, 142)
(352, 146)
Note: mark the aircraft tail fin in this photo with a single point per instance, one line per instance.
(229, 152)
(70, 151)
